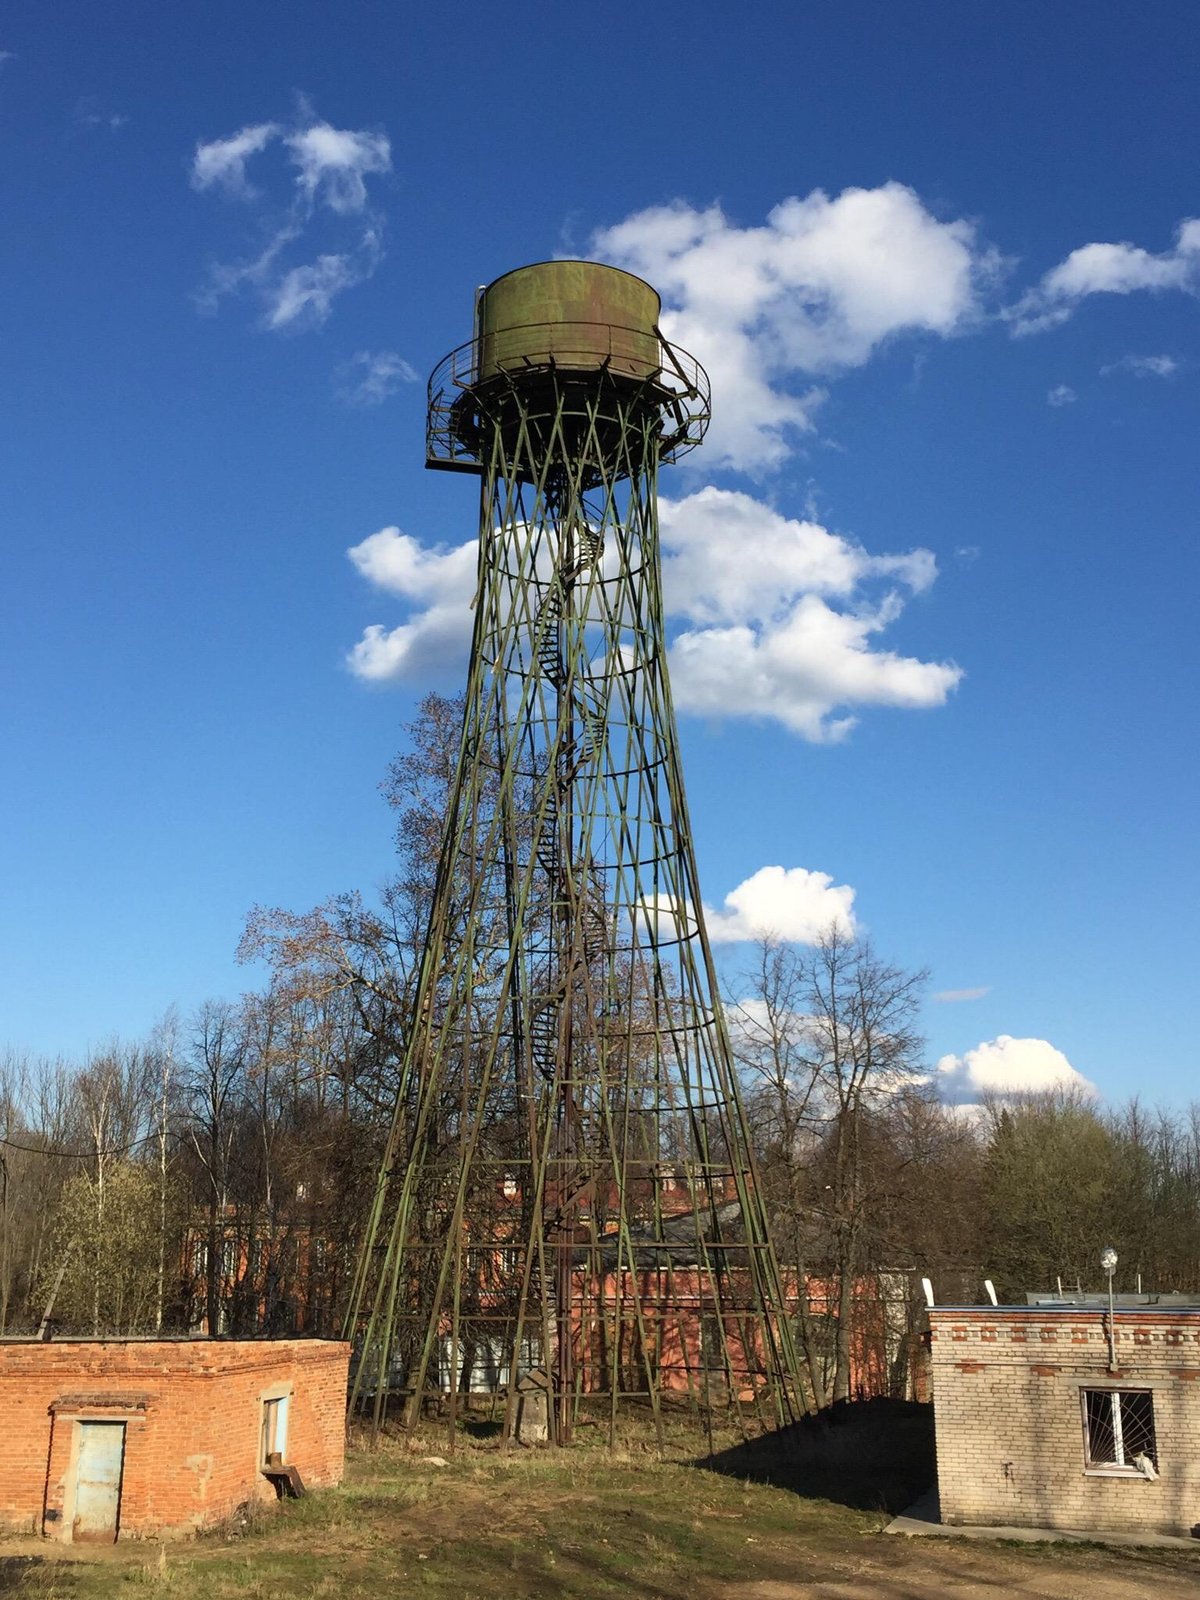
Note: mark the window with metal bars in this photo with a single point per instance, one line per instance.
(1118, 1431)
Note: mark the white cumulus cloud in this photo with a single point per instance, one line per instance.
(1109, 269)
(768, 616)
(802, 671)
(813, 291)
(1004, 1067)
(438, 583)
(401, 564)
(789, 903)
(1061, 395)
(326, 196)
(780, 617)
(728, 557)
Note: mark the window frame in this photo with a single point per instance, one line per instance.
(274, 1408)
(1124, 1468)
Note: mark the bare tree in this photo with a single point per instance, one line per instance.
(862, 1025)
(830, 1058)
(112, 1104)
(781, 1076)
(28, 1187)
(212, 1084)
(164, 1052)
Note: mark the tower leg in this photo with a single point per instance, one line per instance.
(569, 1135)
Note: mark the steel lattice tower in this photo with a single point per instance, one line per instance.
(568, 1184)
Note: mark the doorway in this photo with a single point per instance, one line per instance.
(274, 1431)
(98, 1471)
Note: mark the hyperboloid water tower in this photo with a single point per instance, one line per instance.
(568, 1202)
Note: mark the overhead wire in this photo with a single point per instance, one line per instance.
(78, 1155)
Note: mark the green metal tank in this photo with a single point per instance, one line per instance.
(577, 315)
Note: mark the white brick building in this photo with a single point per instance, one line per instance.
(1037, 1427)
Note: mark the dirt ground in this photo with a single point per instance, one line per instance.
(954, 1572)
(868, 1567)
(752, 1523)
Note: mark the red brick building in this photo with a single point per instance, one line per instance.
(135, 1438)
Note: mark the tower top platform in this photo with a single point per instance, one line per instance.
(574, 340)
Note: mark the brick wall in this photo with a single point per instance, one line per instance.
(192, 1411)
(1010, 1437)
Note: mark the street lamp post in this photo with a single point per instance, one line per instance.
(1108, 1260)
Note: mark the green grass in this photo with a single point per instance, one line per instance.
(581, 1523)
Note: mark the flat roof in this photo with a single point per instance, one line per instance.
(1187, 1306)
(167, 1338)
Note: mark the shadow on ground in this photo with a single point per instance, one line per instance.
(874, 1455)
(483, 1429)
(30, 1575)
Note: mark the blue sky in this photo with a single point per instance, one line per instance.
(882, 228)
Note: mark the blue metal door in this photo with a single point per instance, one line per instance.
(98, 1482)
